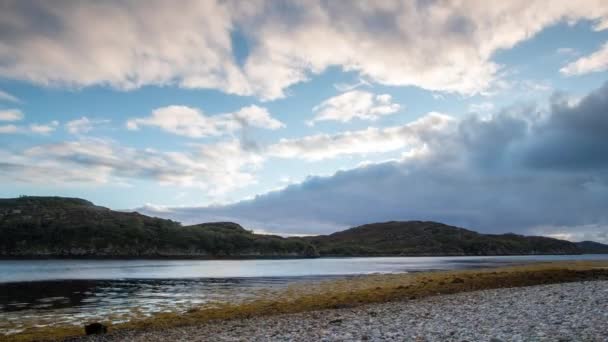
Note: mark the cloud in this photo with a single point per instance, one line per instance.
(215, 168)
(4, 96)
(595, 62)
(442, 46)
(344, 87)
(588, 232)
(16, 115)
(44, 129)
(355, 104)
(193, 123)
(11, 115)
(67, 44)
(514, 170)
(567, 51)
(9, 129)
(482, 107)
(367, 141)
(82, 125)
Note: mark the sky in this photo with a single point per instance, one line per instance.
(309, 117)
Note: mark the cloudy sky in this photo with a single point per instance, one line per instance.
(307, 117)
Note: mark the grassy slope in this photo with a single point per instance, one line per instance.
(359, 291)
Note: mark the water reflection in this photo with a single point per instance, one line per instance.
(77, 301)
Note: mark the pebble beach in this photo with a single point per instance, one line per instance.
(558, 312)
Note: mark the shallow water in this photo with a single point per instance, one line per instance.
(48, 292)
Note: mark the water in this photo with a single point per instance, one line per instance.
(47, 292)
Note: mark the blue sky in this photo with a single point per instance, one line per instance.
(209, 110)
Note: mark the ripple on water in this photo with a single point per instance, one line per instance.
(117, 301)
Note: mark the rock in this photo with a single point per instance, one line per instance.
(95, 329)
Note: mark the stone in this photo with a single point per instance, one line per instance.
(95, 329)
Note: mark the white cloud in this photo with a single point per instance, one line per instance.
(161, 42)
(11, 115)
(567, 51)
(595, 62)
(370, 140)
(442, 46)
(82, 125)
(255, 116)
(193, 123)
(17, 115)
(355, 104)
(344, 87)
(4, 96)
(9, 129)
(44, 128)
(216, 168)
(585, 232)
(482, 107)
(539, 86)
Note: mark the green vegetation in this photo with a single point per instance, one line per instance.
(432, 238)
(353, 292)
(72, 227)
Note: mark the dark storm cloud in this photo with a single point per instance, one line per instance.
(518, 171)
(573, 137)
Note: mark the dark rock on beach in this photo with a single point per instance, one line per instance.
(95, 329)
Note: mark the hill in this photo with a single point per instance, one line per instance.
(72, 227)
(592, 247)
(418, 238)
(34, 227)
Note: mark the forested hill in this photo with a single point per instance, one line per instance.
(35, 227)
(71, 227)
(433, 238)
(593, 247)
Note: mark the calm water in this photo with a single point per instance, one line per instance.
(46, 292)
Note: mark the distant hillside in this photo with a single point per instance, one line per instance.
(71, 227)
(591, 247)
(432, 238)
(34, 227)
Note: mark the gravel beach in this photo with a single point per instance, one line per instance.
(559, 312)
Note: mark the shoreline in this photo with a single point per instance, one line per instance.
(240, 258)
(537, 313)
(354, 292)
